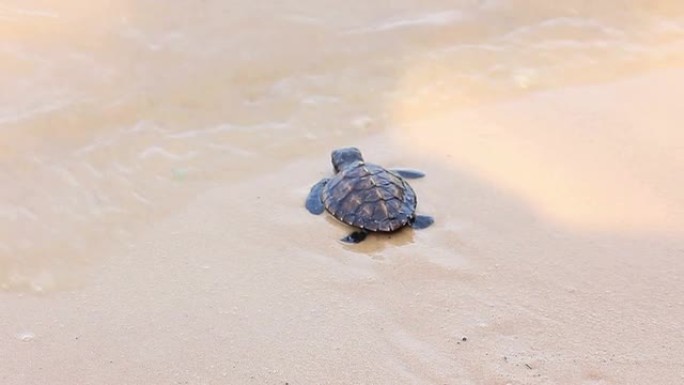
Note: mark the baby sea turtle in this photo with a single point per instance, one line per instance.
(367, 196)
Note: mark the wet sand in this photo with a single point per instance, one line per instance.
(242, 285)
(170, 244)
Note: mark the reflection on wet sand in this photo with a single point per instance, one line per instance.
(575, 163)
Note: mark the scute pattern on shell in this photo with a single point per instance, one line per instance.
(369, 197)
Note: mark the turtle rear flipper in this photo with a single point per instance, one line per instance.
(313, 202)
(355, 237)
(408, 173)
(421, 222)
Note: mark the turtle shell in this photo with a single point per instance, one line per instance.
(370, 197)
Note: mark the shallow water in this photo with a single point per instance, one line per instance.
(154, 158)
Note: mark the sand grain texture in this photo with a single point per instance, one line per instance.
(155, 162)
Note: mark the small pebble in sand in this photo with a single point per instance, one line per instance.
(26, 336)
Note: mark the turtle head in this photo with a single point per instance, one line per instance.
(345, 157)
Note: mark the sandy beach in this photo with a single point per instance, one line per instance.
(155, 160)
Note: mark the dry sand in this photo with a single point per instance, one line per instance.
(556, 256)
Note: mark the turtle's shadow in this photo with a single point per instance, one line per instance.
(374, 242)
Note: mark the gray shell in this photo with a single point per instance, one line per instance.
(370, 197)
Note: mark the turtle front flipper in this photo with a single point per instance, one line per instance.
(407, 173)
(355, 237)
(421, 222)
(313, 202)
